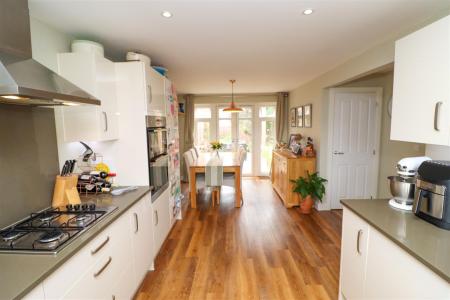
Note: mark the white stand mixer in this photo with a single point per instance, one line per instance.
(403, 185)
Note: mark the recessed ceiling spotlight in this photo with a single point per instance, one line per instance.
(308, 11)
(166, 14)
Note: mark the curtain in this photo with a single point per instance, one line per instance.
(282, 117)
(188, 134)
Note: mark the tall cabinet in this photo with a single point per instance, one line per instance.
(421, 98)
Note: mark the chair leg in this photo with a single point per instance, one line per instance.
(213, 196)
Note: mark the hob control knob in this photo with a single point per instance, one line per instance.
(84, 207)
(76, 206)
(69, 206)
(92, 206)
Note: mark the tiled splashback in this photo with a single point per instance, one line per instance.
(28, 160)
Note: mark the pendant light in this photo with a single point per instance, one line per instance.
(232, 108)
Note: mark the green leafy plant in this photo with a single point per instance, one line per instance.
(312, 185)
(216, 145)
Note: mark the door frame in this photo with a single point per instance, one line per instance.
(378, 119)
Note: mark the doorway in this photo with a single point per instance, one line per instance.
(354, 141)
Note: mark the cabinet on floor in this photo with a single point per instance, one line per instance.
(96, 75)
(421, 97)
(161, 220)
(286, 167)
(374, 267)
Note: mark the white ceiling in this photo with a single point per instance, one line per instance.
(267, 46)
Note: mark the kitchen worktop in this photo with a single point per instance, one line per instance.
(427, 243)
(20, 273)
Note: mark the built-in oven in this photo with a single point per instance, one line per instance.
(157, 155)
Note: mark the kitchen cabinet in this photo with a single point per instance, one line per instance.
(96, 75)
(112, 265)
(421, 96)
(161, 220)
(156, 87)
(286, 167)
(374, 267)
(142, 236)
(355, 236)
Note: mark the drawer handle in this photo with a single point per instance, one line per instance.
(156, 217)
(437, 114)
(106, 120)
(96, 274)
(136, 220)
(358, 250)
(101, 246)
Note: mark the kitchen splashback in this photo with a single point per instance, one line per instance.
(28, 160)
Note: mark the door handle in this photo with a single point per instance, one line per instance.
(338, 153)
(437, 115)
(136, 220)
(358, 250)
(106, 120)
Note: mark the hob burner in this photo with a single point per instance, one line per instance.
(47, 216)
(11, 235)
(51, 236)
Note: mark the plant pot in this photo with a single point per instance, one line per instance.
(306, 205)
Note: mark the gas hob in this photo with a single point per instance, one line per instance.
(49, 231)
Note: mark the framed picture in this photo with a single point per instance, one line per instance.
(293, 117)
(307, 115)
(300, 116)
(294, 141)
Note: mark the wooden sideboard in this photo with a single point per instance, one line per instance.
(286, 167)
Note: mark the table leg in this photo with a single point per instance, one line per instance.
(237, 185)
(193, 188)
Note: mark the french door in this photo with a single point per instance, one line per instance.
(253, 129)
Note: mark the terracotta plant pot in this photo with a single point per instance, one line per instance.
(306, 205)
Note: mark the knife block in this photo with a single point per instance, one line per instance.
(65, 191)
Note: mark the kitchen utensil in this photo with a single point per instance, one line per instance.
(402, 189)
(87, 153)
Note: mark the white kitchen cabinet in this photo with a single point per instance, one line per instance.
(390, 269)
(161, 220)
(421, 97)
(142, 236)
(36, 294)
(157, 105)
(96, 75)
(381, 269)
(355, 235)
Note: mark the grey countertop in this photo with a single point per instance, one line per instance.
(20, 273)
(424, 241)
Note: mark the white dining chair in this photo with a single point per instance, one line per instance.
(188, 161)
(194, 153)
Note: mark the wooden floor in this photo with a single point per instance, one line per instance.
(259, 251)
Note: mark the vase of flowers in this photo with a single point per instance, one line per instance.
(216, 146)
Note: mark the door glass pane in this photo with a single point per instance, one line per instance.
(245, 140)
(267, 111)
(202, 113)
(245, 113)
(202, 134)
(224, 114)
(267, 144)
(225, 134)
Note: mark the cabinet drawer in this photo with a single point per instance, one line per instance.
(113, 241)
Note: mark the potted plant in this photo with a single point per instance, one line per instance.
(309, 188)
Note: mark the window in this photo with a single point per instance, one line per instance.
(202, 129)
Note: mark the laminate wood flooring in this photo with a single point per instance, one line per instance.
(259, 251)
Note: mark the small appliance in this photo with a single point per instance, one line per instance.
(402, 186)
(158, 157)
(432, 196)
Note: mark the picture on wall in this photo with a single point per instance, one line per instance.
(294, 141)
(293, 117)
(300, 116)
(307, 112)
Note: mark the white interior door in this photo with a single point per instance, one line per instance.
(355, 118)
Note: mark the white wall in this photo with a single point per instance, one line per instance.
(438, 152)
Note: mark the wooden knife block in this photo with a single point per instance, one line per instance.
(65, 191)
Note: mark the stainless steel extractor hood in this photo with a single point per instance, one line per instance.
(22, 79)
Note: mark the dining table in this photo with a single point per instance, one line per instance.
(231, 164)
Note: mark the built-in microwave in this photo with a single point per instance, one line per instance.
(158, 157)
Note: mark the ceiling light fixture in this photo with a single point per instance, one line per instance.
(308, 11)
(232, 108)
(166, 14)
(14, 97)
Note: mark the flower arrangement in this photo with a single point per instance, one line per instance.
(216, 145)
